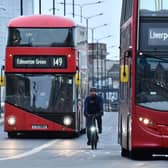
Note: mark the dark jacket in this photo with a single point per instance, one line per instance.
(93, 105)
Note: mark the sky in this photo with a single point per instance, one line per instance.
(111, 10)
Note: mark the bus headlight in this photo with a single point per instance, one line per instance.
(146, 121)
(67, 121)
(11, 120)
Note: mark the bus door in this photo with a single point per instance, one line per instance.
(125, 97)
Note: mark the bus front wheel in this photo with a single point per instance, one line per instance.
(140, 155)
(124, 152)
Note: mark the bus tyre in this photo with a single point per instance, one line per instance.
(83, 131)
(140, 155)
(124, 152)
(12, 135)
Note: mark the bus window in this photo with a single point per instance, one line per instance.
(15, 37)
(36, 37)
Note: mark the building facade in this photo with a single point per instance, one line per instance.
(8, 10)
(97, 58)
(104, 75)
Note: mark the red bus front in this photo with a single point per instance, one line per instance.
(40, 67)
(151, 69)
(143, 117)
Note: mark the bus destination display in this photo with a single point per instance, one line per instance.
(58, 62)
(158, 37)
(153, 36)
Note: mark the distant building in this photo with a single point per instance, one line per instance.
(113, 86)
(97, 63)
(8, 10)
(104, 74)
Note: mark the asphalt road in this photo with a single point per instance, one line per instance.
(70, 153)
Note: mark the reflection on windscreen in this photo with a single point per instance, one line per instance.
(40, 93)
(154, 7)
(46, 37)
(152, 82)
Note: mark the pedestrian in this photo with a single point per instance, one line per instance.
(93, 105)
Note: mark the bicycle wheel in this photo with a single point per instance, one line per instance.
(94, 140)
(95, 145)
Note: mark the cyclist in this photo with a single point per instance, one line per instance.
(93, 105)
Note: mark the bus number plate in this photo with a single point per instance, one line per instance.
(39, 126)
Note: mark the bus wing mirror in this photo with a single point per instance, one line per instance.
(128, 53)
(124, 73)
(77, 79)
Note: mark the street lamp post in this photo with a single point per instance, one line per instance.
(87, 20)
(73, 8)
(53, 7)
(87, 27)
(2, 8)
(92, 31)
(39, 6)
(97, 42)
(80, 6)
(53, 10)
(64, 7)
(21, 7)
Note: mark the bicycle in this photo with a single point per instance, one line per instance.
(93, 132)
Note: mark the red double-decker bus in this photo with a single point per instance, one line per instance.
(46, 75)
(143, 115)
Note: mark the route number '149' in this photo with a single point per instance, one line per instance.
(58, 62)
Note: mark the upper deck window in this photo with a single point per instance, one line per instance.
(127, 6)
(154, 7)
(37, 37)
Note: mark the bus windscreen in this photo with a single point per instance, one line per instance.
(151, 82)
(40, 93)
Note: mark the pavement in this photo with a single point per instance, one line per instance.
(1, 118)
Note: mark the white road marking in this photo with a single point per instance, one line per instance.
(31, 152)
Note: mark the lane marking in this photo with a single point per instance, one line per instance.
(31, 152)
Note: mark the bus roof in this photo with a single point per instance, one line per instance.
(41, 21)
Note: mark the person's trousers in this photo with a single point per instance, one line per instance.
(99, 123)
